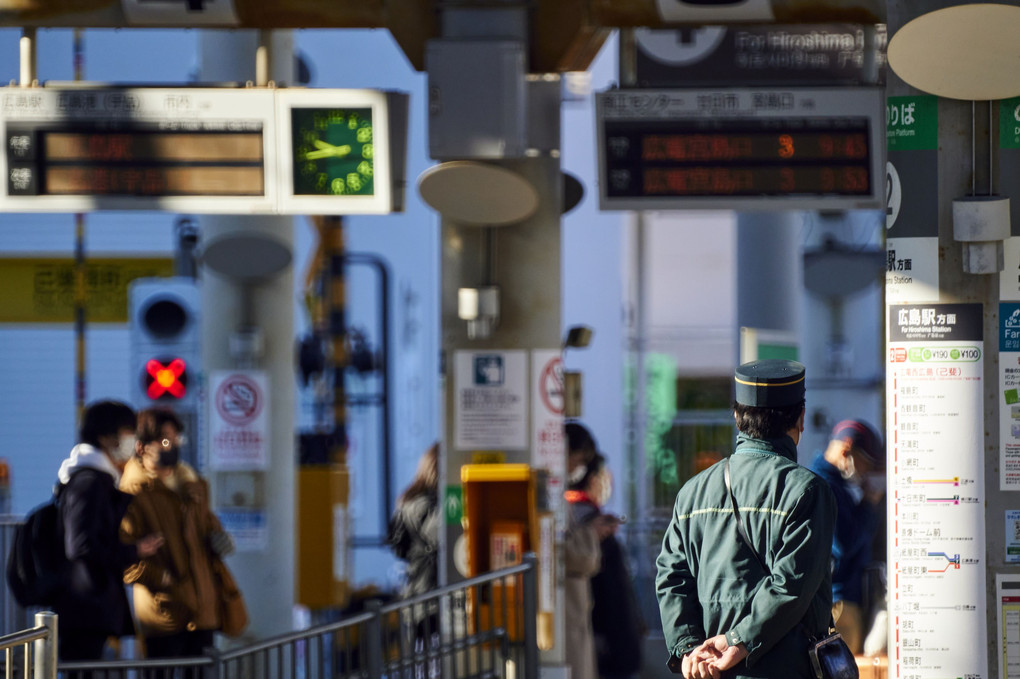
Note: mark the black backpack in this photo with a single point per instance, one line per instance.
(37, 565)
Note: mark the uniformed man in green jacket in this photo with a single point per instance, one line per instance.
(728, 611)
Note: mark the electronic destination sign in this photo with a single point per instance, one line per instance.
(741, 148)
(201, 150)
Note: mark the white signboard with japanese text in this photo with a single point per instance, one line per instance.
(239, 420)
(936, 474)
(912, 270)
(491, 409)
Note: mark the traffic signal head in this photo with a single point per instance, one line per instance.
(166, 378)
(164, 341)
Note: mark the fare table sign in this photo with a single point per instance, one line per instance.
(936, 491)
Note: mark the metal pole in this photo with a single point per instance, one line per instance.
(45, 650)
(379, 265)
(530, 578)
(80, 294)
(27, 52)
(372, 640)
(337, 323)
(263, 58)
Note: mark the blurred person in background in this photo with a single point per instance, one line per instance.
(413, 535)
(853, 464)
(616, 623)
(582, 557)
(181, 590)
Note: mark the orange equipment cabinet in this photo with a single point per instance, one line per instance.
(500, 525)
(322, 530)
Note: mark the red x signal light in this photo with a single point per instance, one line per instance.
(166, 379)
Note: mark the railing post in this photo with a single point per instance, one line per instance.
(530, 578)
(372, 640)
(45, 650)
(215, 671)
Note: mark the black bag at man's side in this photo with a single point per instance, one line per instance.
(37, 565)
(831, 658)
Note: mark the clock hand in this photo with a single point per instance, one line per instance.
(327, 151)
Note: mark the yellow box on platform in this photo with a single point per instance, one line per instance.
(500, 524)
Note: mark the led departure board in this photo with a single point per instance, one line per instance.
(741, 149)
(134, 160)
(201, 150)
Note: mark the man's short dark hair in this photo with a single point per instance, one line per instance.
(767, 423)
(151, 421)
(104, 418)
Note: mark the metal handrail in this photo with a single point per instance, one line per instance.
(26, 636)
(291, 637)
(38, 645)
(485, 579)
(375, 643)
(138, 664)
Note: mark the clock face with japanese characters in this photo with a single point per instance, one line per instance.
(333, 151)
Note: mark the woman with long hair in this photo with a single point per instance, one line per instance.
(414, 538)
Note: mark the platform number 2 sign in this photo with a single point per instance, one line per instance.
(893, 195)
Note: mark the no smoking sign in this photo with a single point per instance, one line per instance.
(550, 385)
(548, 447)
(239, 421)
(239, 399)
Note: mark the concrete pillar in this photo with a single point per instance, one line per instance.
(527, 272)
(769, 272)
(266, 576)
(521, 258)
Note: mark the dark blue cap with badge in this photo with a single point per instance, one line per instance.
(771, 383)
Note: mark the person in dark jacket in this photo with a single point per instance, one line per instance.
(734, 607)
(854, 452)
(616, 623)
(93, 604)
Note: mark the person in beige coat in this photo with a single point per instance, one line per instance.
(176, 591)
(582, 559)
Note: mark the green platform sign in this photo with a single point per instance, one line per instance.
(453, 505)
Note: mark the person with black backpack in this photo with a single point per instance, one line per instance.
(91, 604)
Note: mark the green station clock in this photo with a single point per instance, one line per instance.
(333, 152)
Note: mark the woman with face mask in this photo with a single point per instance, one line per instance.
(178, 592)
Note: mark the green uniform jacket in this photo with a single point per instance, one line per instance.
(710, 583)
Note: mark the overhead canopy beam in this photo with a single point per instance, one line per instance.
(566, 34)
